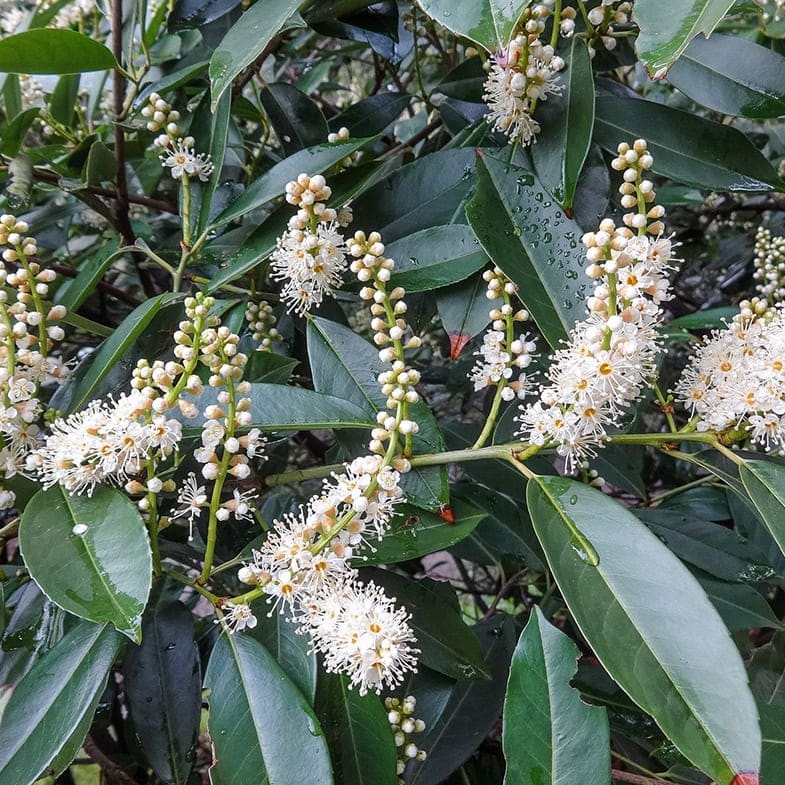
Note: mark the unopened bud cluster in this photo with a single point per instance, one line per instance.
(342, 135)
(261, 320)
(404, 726)
(769, 262)
(520, 76)
(502, 352)
(162, 118)
(310, 256)
(604, 19)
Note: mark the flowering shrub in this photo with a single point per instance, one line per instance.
(392, 392)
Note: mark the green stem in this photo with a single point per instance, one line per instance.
(185, 255)
(666, 407)
(556, 24)
(186, 581)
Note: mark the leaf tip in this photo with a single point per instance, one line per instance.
(458, 343)
(746, 778)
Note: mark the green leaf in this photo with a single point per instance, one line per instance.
(708, 319)
(271, 184)
(732, 75)
(163, 688)
(246, 40)
(53, 51)
(435, 257)
(219, 130)
(463, 309)
(489, 23)
(359, 735)
(63, 99)
(73, 293)
(740, 606)
(664, 36)
(15, 131)
(263, 729)
(345, 365)
(550, 734)
(108, 354)
(49, 712)
(278, 407)
(297, 120)
(649, 623)
(292, 651)
(687, 148)
(566, 121)
(772, 721)
(533, 241)
(458, 717)
(101, 574)
(101, 165)
(416, 532)
(372, 115)
(765, 485)
(447, 645)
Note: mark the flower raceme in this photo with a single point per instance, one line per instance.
(611, 355)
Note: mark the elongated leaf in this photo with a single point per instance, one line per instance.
(163, 686)
(246, 40)
(292, 651)
(533, 241)
(101, 568)
(459, 716)
(765, 484)
(110, 352)
(649, 623)
(345, 365)
(312, 160)
(218, 135)
(435, 257)
(80, 288)
(549, 734)
(277, 407)
(463, 309)
(664, 36)
(772, 721)
(415, 533)
(371, 115)
(297, 120)
(686, 148)
(53, 51)
(447, 645)
(44, 720)
(566, 121)
(732, 75)
(263, 729)
(361, 742)
(489, 23)
(740, 606)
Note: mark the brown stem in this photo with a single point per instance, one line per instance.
(113, 771)
(112, 291)
(418, 137)
(500, 595)
(249, 72)
(636, 779)
(121, 198)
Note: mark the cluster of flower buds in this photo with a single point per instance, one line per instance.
(311, 255)
(603, 18)
(521, 76)
(501, 352)
(772, 10)
(261, 320)
(162, 118)
(404, 726)
(391, 333)
(342, 135)
(28, 329)
(769, 262)
(611, 354)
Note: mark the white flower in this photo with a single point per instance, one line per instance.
(237, 616)
(181, 158)
(191, 498)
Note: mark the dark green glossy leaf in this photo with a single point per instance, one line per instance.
(63, 99)
(649, 623)
(732, 75)
(447, 645)
(772, 722)
(710, 319)
(489, 23)
(263, 729)
(53, 51)
(292, 651)
(101, 165)
(270, 368)
(664, 36)
(277, 407)
(740, 606)
(458, 717)
(271, 184)
(550, 735)
(765, 484)
(361, 742)
(163, 687)
(297, 120)
(345, 365)
(73, 293)
(416, 532)
(463, 309)
(219, 130)
(767, 671)
(687, 148)
(566, 121)
(430, 191)
(372, 115)
(43, 724)
(100, 574)
(435, 257)
(15, 131)
(533, 241)
(246, 40)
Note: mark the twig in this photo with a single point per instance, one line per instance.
(112, 291)
(249, 72)
(469, 582)
(506, 586)
(636, 779)
(418, 137)
(112, 769)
